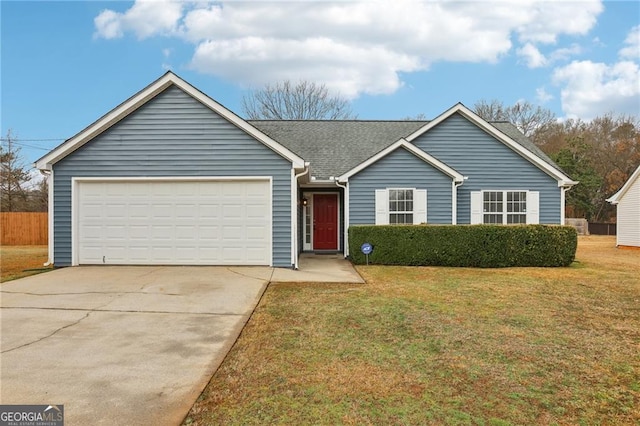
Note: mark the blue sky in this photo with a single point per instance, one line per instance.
(65, 64)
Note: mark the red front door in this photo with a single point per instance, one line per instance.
(325, 221)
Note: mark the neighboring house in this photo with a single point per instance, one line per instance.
(627, 201)
(172, 177)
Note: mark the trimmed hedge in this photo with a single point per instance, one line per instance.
(480, 246)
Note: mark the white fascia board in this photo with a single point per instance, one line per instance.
(142, 97)
(562, 179)
(615, 198)
(403, 143)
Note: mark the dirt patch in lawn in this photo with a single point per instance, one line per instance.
(22, 261)
(423, 345)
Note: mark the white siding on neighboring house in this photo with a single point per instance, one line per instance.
(628, 214)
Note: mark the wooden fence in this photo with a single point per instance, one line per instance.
(23, 229)
(602, 228)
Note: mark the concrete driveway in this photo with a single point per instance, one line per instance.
(121, 345)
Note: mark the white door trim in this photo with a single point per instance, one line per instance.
(310, 195)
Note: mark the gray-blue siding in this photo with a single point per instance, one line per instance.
(399, 169)
(174, 135)
(489, 164)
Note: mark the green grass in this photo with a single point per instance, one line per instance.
(22, 261)
(448, 346)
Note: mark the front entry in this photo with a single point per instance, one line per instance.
(325, 221)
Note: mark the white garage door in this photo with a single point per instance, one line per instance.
(174, 222)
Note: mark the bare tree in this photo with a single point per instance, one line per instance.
(418, 117)
(601, 154)
(39, 196)
(302, 101)
(528, 118)
(13, 176)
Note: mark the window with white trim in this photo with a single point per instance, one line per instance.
(504, 207)
(401, 206)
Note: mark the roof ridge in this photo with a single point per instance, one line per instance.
(336, 121)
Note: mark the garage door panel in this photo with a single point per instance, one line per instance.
(138, 232)
(179, 222)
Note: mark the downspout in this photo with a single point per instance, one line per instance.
(346, 217)
(49, 176)
(563, 201)
(454, 200)
(294, 188)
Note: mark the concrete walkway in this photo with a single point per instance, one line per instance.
(320, 268)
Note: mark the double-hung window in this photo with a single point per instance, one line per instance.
(401, 206)
(504, 207)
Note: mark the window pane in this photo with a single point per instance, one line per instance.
(516, 218)
(516, 202)
(408, 195)
(492, 202)
(493, 218)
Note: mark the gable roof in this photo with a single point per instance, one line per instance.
(144, 96)
(615, 198)
(402, 143)
(334, 147)
(542, 162)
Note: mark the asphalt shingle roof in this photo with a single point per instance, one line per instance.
(334, 147)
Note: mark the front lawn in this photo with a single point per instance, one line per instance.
(22, 261)
(426, 345)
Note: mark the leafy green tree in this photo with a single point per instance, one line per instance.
(581, 200)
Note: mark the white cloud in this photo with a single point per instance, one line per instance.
(352, 46)
(532, 56)
(542, 96)
(166, 53)
(348, 70)
(108, 25)
(565, 53)
(591, 89)
(145, 18)
(549, 19)
(632, 45)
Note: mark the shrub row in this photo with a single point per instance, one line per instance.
(481, 246)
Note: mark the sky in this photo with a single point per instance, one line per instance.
(65, 64)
